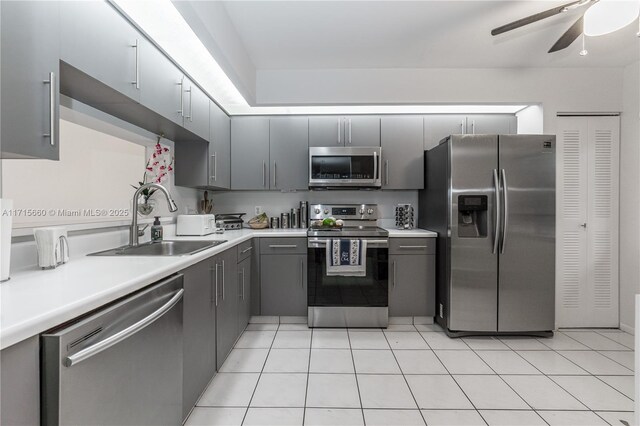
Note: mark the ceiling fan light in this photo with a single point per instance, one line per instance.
(607, 16)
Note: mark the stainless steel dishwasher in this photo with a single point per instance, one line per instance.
(121, 365)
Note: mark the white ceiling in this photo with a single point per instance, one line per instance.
(414, 34)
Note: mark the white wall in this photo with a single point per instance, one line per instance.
(630, 196)
(556, 89)
(530, 120)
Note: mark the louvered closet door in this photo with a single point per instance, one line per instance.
(587, 231)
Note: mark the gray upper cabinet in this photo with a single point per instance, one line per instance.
(199, 332)
(250, 153)
(402, 152)
(219, 148)
(501, 124)
(30, 52)
(162, 84)
(196, 110)
(359, 130)
(289, 153)
(439, 126)
(226, 299)
(99, 41)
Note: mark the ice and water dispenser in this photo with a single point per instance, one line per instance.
(472, 216)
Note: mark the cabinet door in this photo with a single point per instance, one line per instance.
(162, 84)
(220, 148)
(244, 293)
(20, 381)
(250, 153)
(30, 51)
(326, 131)
(99, 41)
(439, 126)
(412, 285)
(289, 153)
(402, 152)
(362, 130)
(196, 107)
(494, 124)
(226, 283)
(283, 279)
(199, 332)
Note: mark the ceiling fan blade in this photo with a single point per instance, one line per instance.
(569, 36)
(535, 18)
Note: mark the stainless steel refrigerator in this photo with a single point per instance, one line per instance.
(491, 198)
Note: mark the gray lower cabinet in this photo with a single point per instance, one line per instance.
(250, 153)
(30, 52)
(99, 41)
(20, 383)
(412, 277)
(196, 110)
(219, 148)
(244, 293)
(225, 267)
(283, 276)
(289, 153)
(402, 152)
(199, 332)
(162, 84)
(501, 124)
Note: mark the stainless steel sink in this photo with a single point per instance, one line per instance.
(162, 248)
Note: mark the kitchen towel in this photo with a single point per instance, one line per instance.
(346, 257)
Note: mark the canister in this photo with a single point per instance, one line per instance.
(304, 214)
(284, 220)
(295, 218)
(275, 222)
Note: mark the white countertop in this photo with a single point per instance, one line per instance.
(36, 300)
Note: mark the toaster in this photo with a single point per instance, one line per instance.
(196, 224)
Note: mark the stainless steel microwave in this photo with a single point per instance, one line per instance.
(344, 167)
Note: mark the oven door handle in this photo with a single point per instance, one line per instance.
(322, 242)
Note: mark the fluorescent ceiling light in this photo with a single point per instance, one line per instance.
(161, 21)
(378, 109)
(607, 16)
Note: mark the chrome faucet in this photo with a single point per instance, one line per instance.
(133, 232)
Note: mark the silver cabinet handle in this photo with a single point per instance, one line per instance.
(241, 272)
(462, 126)
(275, 174)
(124, 334)
(264, 174)
(349, 131)
(412, 247)
(394, 274)
(136, 81)
(505, 222)
(216, 283)
(214, 289)
(52, 109)
(339, 142)
(214, 163)
(223, 280)
(496, 232)
(181, 84)
(190, 92)
(246, 250)
(302, 272)
(283, 245)
(386, 167)
(473, 127)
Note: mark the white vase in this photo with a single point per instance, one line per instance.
(6, 207)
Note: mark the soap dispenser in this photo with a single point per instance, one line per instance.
(156, 230)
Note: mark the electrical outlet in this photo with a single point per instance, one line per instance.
(258, 210)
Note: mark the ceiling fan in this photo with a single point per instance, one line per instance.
(607, 17)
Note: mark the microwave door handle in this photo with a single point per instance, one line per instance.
(375, 165)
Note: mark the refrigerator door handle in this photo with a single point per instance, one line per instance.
(496, 232)
(505, 221)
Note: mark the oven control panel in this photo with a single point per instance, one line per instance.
(344, 211)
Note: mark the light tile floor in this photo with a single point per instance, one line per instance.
(282, 373)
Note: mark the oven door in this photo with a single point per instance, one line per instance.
(344, 167)
(371, 290)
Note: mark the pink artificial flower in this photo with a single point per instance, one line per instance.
(170, 168)
(162, 167)
(150, 169)
(154, 155)
(166, 149)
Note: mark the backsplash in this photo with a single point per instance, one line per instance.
(274, 203)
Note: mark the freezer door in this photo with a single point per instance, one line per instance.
(527, 261)
(473, 304)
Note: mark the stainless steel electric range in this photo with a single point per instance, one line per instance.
(348, 301)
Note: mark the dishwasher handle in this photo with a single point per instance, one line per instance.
(124, 334)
